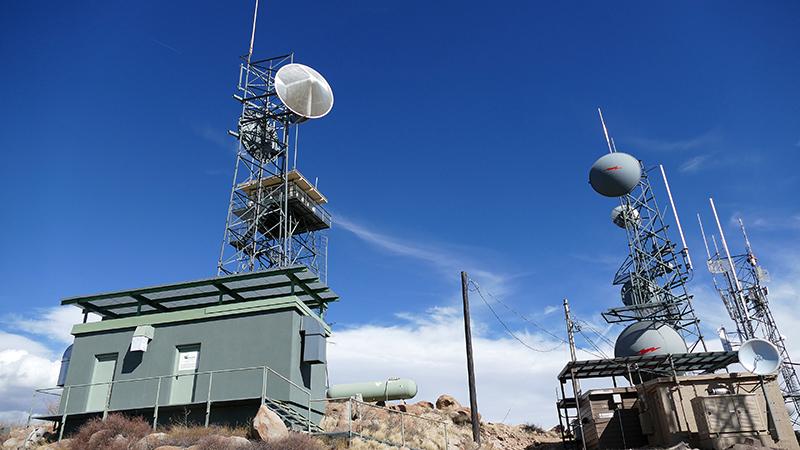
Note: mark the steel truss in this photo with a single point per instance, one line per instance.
(275, 218)
(745, 298)
(653, 276)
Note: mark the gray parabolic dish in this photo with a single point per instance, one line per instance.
(615, 174)
(648, 337)
(759, 357)
(625, 216)
(304, 91)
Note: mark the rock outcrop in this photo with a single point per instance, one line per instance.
(267, 425)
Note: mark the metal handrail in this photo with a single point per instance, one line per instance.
(157, 403)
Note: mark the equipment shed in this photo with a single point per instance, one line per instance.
(208, 351)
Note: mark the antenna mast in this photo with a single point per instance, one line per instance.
(653, 277)
(745, 297)
(275, 217)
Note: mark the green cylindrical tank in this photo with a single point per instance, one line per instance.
(391, 389)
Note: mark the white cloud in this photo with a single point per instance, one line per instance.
(54, 323)
(25, 365)
(431, 350)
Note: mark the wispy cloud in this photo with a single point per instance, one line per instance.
(439, 256)
(213, 134)
(52, 323)
(659, 145)
(694, 164)
(772, 219)
(161, 43)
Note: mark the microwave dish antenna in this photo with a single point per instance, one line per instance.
(625, 216)
(615, 174)
(304, 92)
(759, 356)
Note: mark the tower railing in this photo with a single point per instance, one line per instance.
(157, 402)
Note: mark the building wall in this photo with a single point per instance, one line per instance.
(607, 424)
(668, 417)
(245, 335)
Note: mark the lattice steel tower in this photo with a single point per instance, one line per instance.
(275, 218)
(654, 275)
(745, 297)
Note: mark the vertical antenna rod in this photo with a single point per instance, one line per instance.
(732, 268)
(253, 36)
(685, 250)
(608, 141)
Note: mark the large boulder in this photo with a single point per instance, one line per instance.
(447, 403)
(35, 437)
(153, 440)
(268, 425)
(12, 444)
(462, 415)
(424, 404)
(411, 409)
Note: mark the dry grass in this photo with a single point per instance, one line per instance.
(399, 428)
(119, 432)
(294, 441)
(114, 433)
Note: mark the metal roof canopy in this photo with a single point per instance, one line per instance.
(680, 362)
(222, 290)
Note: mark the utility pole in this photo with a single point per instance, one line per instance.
(473, 396)
(575, 386)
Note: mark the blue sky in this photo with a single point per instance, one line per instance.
(460, 139)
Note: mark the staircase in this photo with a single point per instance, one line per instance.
(291, 418)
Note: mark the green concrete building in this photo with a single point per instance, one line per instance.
(207, 351)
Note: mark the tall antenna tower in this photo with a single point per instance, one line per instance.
(275, 217)
(653, 276)
(745, 297)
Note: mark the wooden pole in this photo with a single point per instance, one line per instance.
(473, 396)
(576, 388)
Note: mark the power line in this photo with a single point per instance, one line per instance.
(480, 289)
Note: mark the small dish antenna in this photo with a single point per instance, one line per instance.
(759, 357)
(625, 216)
(304, 91)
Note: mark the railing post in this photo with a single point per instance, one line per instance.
(350, 420)
(155, 408)
(33, 402)
(64, 416)
(264, 387)
(308, 418)
(446, 443)
(208, 399)
(403, 428)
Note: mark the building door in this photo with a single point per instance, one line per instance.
(185, 368)
(103, 373)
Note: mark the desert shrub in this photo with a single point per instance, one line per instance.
(215, 442)
(186, 436)
(293, 441)
(533, 428)
(114, 433)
